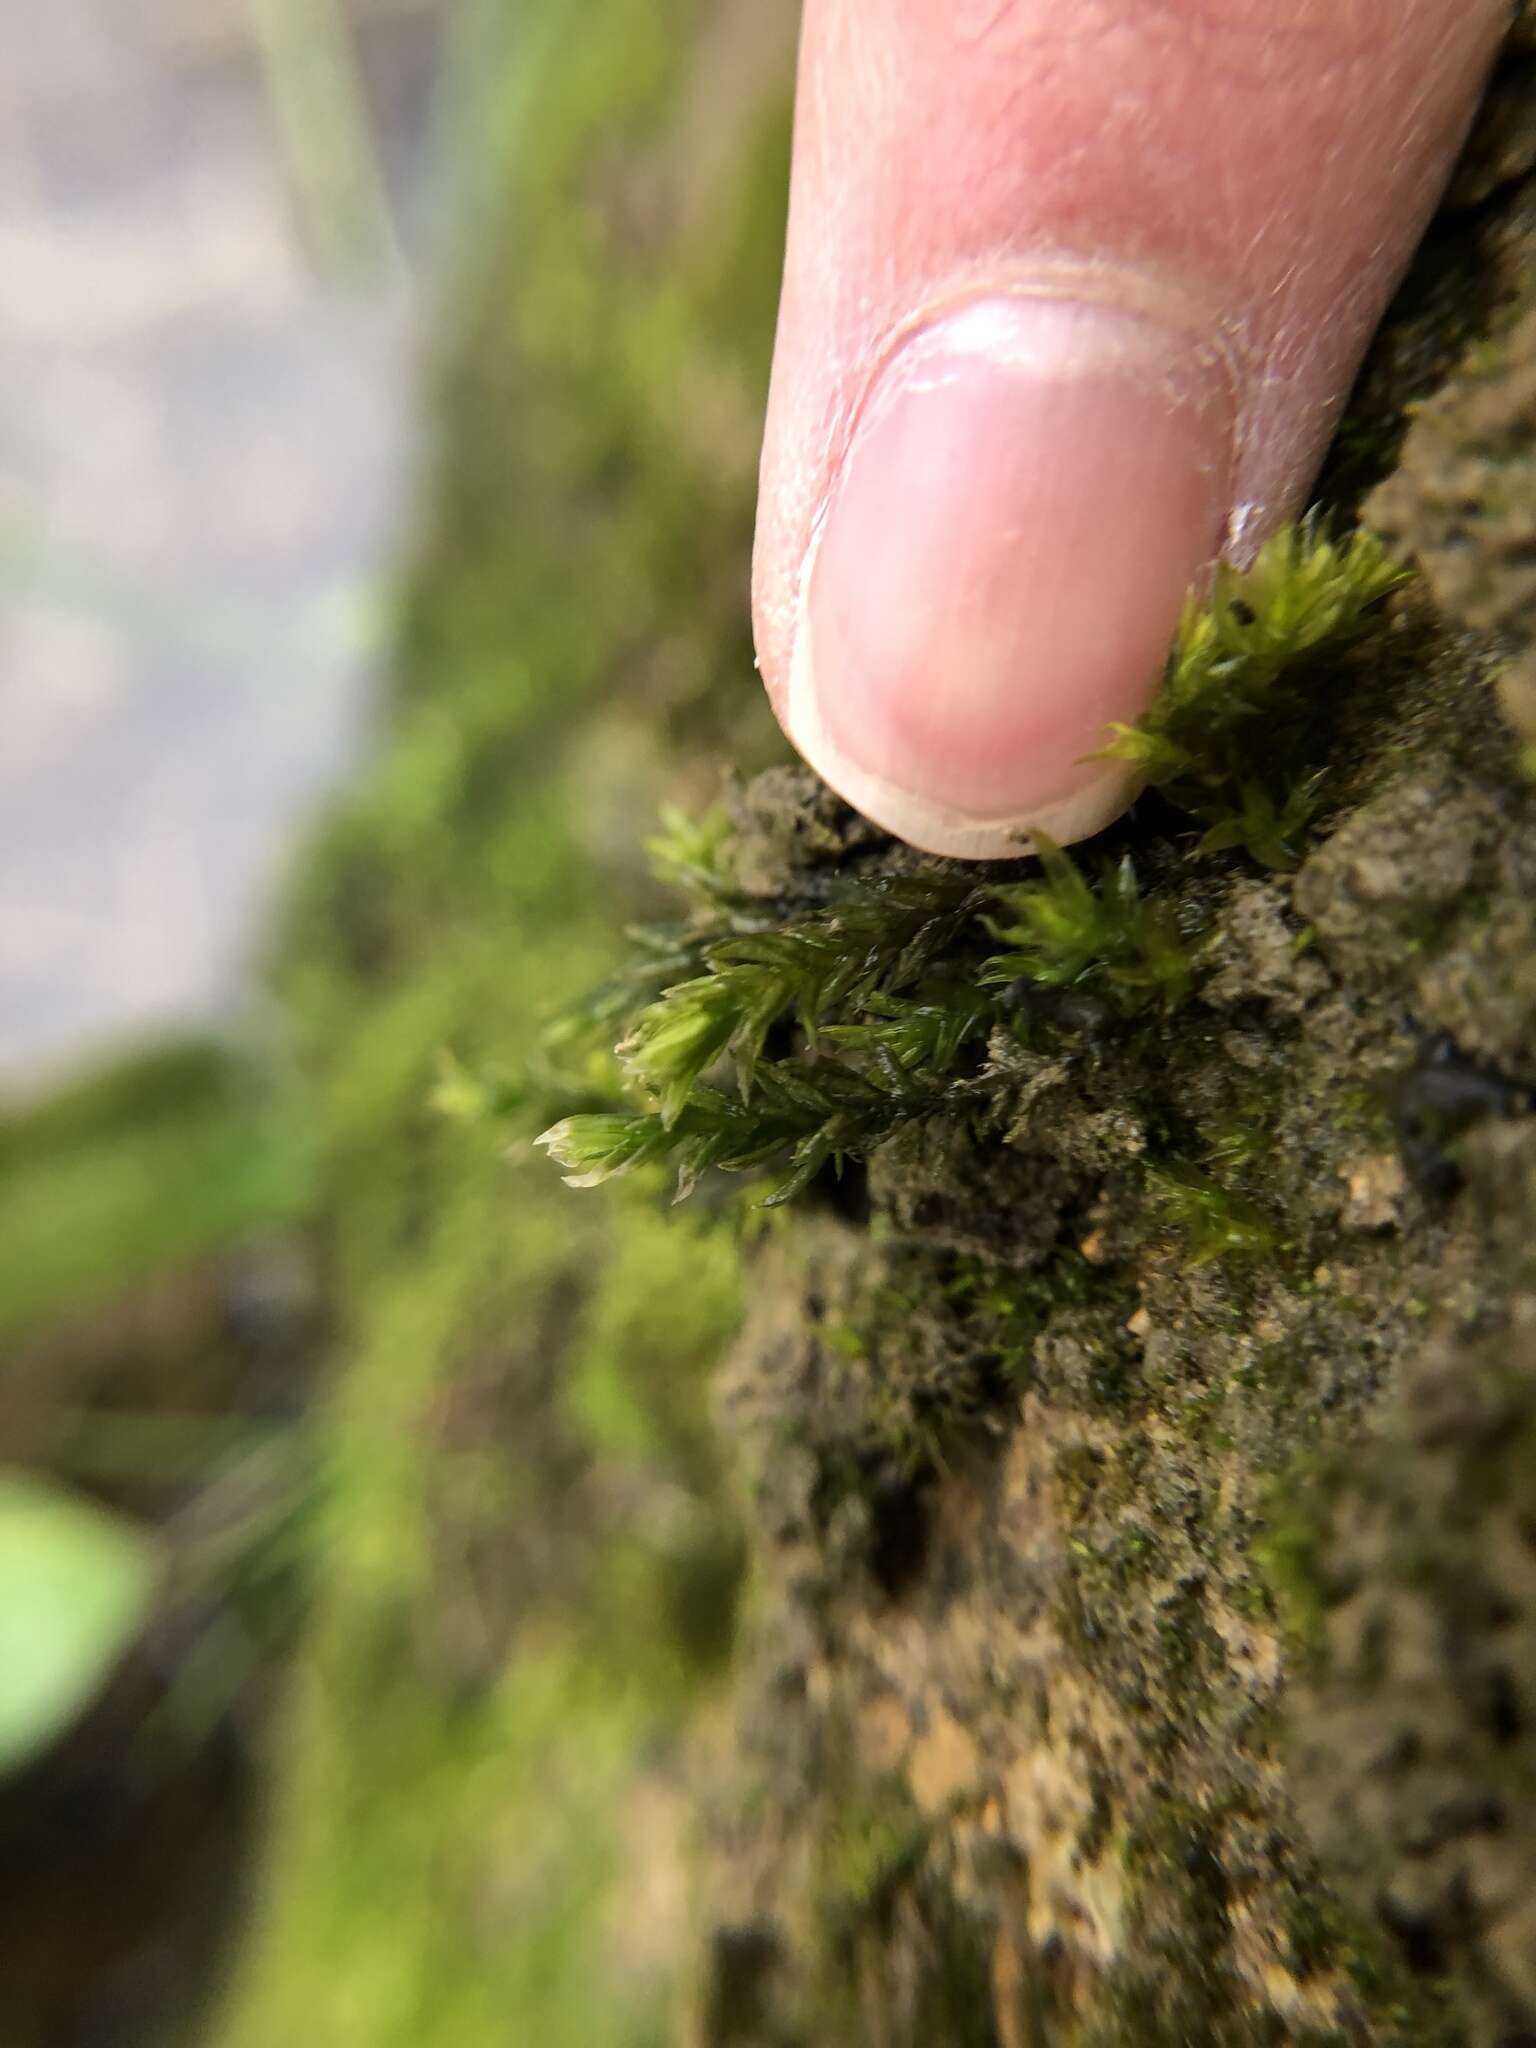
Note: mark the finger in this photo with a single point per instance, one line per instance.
(1072, 295)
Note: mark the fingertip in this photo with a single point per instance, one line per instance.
(1033, 486)
(958, 588)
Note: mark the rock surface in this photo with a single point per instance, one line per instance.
(1141, 1467)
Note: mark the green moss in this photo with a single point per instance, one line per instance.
(1215, 1220)
(800, 1040)
(850, 979)
(526, 1566)
(872, 1845)
(1064, 930)
(1242, 686)
(1291, 1553)
(883, 1867)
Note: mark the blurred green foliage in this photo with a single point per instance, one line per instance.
(75, 1587)
(519, 1565)
(139, 1169)
(524, 1564)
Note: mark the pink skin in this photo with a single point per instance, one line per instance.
(1073, 292)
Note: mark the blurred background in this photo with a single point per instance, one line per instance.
(380, 385)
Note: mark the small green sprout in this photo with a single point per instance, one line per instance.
(804, 1116)
(693, 855)
(680, 1036)
(1216, 1221)
(1242, 687)
(869, 1040)
(814, 972)
(1062, 930)
(924, 1034)
(1272, 829)
(598, 1144)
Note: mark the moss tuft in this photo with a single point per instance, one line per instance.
(1242, 687)
(1292, 1551)
(1063, 930)
(1215, 1221)
(757, 1035)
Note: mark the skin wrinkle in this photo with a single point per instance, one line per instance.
(1254, 30)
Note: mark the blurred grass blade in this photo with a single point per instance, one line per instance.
(329, 151)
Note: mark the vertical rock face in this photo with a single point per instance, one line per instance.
(1141, 1458)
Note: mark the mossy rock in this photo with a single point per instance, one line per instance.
(1139, 1456)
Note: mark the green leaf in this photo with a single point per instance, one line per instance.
(76, 1583)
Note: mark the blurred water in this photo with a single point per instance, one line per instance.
(206, 343)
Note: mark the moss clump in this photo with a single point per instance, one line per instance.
(840, 1025)
(1244, 685)
(882, 1863)
(1215, 1220)
(1063, 931)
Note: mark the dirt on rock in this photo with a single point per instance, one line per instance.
(1141, 1461)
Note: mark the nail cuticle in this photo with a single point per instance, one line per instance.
(1166, 307)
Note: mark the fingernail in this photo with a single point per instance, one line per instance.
(1030, 489)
